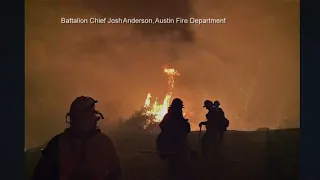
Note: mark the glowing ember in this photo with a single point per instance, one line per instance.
(159, 110)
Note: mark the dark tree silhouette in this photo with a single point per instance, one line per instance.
(138, 122)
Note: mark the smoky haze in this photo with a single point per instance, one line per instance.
(251, 63)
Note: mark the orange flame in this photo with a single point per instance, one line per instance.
(159, 110)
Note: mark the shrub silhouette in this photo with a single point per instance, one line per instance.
(138, 122)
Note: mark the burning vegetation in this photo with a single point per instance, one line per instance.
(155, 109)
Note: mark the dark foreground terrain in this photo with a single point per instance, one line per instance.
(257, 155)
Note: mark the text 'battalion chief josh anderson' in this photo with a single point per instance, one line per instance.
(142, 21)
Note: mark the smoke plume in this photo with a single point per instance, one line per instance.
(251, 63)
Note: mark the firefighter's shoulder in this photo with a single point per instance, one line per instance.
(105, 139)
(51, 145)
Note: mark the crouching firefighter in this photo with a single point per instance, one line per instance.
(172, 141)
(82, 151)
(216, 125)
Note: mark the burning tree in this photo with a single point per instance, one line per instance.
(152, 113)
(159, 110)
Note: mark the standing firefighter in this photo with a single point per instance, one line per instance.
(216, 125)
(82, 151)
(172, 141)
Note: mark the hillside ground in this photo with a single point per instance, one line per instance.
(256, 155)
